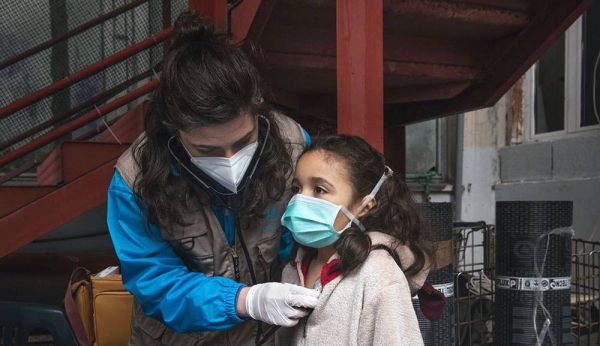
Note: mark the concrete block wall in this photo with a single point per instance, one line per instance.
(564, 169)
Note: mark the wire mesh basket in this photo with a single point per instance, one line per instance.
(474, 245)
(474, 291)
(585, 292)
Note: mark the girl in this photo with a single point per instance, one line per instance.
(361, 246)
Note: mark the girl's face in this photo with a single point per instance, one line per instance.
(321, 176)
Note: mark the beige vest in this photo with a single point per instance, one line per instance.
(204, 248)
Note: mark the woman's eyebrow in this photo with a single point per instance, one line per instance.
(245, 139)
(242, 140)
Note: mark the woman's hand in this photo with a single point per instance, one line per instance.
(276, 303)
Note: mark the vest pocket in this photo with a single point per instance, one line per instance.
(197, 253)
(267, 255)
(194, 244)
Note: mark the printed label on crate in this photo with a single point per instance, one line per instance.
(533, 284)
(446, 289)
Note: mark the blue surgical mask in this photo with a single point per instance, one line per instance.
(311, 219)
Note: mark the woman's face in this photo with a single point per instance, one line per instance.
(323, 176)
(221, 140)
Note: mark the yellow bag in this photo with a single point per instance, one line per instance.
(99, 309)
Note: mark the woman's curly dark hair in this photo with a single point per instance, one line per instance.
(204, 82)
(395, 213)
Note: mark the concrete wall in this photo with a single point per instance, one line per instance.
(560, 169)
(484, 132)
(565, 169)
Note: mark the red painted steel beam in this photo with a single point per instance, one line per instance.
(84, 73)
(59, 207)
(38, 160)
(248, 20)
(424, 92)
(216, 10)
(302, 60)
(527, 47)
(438, 71)
(321, 41)
(522, 5)
(359, 31)
(75, 159)
(494, 12)
(15, 197)
(458, 11)
(77, 123)
(323, 105)
(7, 62)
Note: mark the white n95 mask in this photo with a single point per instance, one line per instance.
(227, 171)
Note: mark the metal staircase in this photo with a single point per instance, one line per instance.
(439, 57)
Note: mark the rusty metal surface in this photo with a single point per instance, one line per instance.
(54, 209)
(440, 57)
(360, 69)
(73, 159)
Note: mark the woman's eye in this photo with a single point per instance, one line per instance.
(240, 146)
(212, 152)
(295, 189)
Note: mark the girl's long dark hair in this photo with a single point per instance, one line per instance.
(395, 212)
(204, 82)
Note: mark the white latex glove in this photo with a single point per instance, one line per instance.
(280, 304)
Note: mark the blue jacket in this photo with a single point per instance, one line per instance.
(167, 291)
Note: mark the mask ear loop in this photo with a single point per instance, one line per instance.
(388, 172)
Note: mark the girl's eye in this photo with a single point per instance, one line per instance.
(295, 189)
(320, 190)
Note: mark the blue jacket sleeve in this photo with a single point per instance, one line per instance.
(185, 301)
(307, 137)
(285, 245)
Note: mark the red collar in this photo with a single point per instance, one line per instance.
(330, 271)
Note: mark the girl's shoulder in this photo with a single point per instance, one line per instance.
(381, 268)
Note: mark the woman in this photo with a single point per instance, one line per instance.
(194, 205)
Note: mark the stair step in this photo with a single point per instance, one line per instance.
(55, 209)
(15, 197)
(73, 159)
